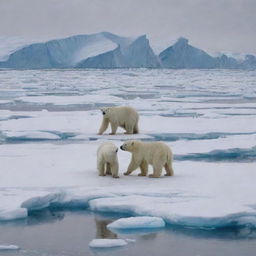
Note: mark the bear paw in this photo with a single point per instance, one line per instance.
(153, 176)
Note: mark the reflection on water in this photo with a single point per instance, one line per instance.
(101, 229)
(65, 233)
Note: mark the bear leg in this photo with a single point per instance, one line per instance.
(132, 166)
(136, 128)
(108, 170)
(114, 170)
(143, 168)
(157, 170)
(104, 126)
(113, 128)
(101, 169)
(169, 169)
(129, 129)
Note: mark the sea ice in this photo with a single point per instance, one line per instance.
(13, 214)
(214, 120)
(137, 222)
(9, 247)
(107, 243)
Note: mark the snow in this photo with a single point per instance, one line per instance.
(95, 46)
(107, 243)
(9, 247)
(48, 159)
(137, 222)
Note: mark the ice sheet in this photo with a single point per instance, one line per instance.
(48, 157)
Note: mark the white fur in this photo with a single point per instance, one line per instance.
(157, 154)
(107, 160)
(125, 117)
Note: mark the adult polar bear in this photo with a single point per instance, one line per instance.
(157, 154)
(123, 116)
(107, 161)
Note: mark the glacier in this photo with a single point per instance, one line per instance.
(107, 51)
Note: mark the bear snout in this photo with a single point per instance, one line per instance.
(103, 113)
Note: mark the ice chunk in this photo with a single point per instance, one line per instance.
(137, 222)
(12, 214)
(107, 243)
(9, 247)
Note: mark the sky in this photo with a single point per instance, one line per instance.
(212, 25)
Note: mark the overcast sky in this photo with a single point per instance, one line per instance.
(212, 25)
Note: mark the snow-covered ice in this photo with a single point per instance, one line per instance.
(107, 243)
(137, 222)
(48, 143)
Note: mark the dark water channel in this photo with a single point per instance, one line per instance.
(68, 233)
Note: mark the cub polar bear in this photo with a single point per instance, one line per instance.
(124, 116)
(157, 154)
(107, 161)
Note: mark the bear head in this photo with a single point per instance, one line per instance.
(129, 145)
(105, 112)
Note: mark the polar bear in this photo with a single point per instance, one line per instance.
(107, 160)
(124, 116)
(157, 154)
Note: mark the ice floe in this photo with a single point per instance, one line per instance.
(9, 247)
(107, 243)
(137, 222)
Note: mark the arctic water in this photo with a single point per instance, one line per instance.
(48, 141)
(64, 233)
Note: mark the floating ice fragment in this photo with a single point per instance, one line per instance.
(107, 243)
(13, 214)
(9, 247)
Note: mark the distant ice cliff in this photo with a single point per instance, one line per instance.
(106, 50)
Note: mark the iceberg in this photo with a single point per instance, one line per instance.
(138, 54)
(101, 50)
(183, 55)
(227, 62)
(249, 62)
(107, 50)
